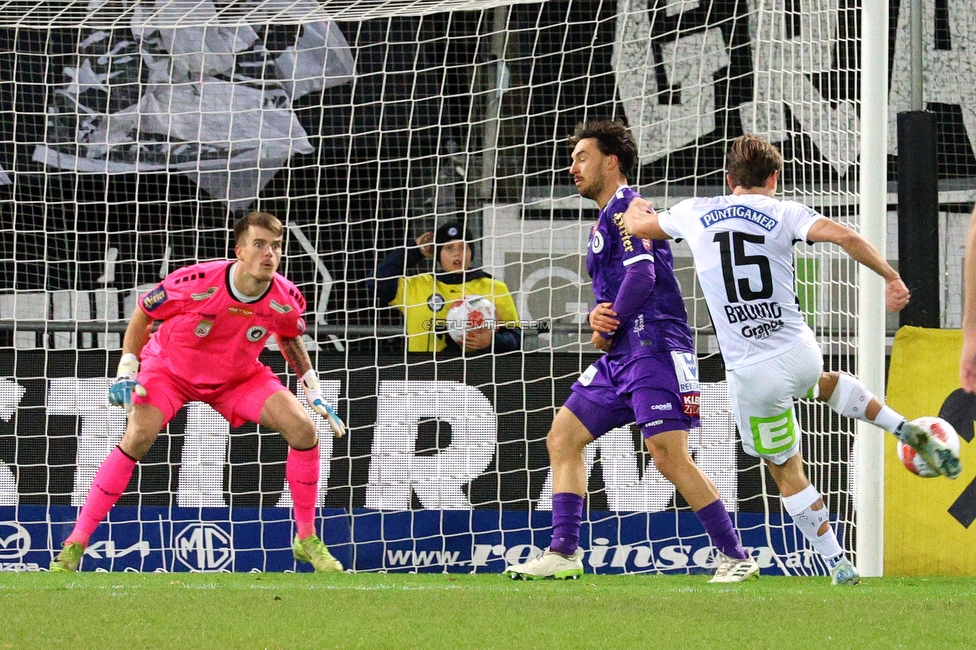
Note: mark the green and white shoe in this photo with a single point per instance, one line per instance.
(844, 573)
(312, 550)
(549, 564)
(936, 453)
(68, 559)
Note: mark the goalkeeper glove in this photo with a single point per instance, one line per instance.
(313, 395)
(120, 392)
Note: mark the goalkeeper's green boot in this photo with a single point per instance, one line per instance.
(68, 559)
(312, 550)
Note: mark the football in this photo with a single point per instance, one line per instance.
(936, 427)
(469, 313)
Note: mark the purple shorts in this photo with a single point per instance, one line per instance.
(239, 402)
(659, 392)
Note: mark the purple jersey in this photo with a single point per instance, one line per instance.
(661, 323)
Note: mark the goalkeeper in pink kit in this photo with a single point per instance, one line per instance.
(216, 318)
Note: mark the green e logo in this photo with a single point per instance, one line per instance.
(775, 433)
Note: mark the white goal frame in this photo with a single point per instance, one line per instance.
(871, 294)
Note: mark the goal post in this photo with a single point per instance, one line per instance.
(871, 290)
(134, 132)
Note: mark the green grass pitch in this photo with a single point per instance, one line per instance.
(182, 610)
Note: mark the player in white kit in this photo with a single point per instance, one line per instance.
(743, 249)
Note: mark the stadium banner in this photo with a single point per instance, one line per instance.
(153, 538)
(928, 521)
(444, 469)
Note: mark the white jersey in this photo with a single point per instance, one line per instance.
(743, 250)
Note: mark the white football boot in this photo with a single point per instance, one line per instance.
(731, 569)
(549, 564)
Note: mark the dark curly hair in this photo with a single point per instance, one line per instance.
(613, 139)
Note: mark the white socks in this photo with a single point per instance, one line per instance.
(809, 522)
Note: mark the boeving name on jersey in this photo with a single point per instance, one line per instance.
(765, 318)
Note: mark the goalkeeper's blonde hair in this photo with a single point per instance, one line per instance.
(264, 220)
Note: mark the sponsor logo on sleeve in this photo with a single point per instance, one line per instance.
(154, 298)
(301, 325)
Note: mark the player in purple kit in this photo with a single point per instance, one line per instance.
(649, 374)
(215, 320)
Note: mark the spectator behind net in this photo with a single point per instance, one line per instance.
(424, 299)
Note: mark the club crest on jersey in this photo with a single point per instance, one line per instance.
(256, 333)
(203, 328)
(596, 243)
(154, 298)
(436, 302)
(281, 309)
(240, 311)
(206, 294)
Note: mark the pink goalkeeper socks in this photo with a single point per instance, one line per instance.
(302, 472)
(109, 484)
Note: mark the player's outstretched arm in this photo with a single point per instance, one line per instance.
(967, 363)
(296, 355)
(640, 220)
(136, 336)
(863, 251)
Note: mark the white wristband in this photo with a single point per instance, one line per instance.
(310, 380)
(128, 366)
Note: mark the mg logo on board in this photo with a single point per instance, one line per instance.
(15, 541)
(204, 547)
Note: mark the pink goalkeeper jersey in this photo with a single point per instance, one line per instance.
(207, 336)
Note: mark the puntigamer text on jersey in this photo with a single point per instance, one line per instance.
(762, 220)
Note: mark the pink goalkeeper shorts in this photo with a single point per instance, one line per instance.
(238, 402)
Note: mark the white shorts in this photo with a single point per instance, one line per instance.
(762, 400)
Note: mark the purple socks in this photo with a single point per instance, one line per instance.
(567, 515)
(717, 524)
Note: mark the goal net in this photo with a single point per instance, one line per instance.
(134, 132)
